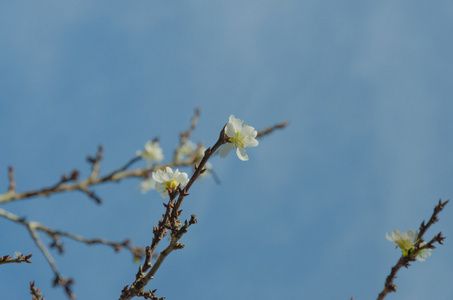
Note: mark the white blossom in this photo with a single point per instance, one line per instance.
(403, 240)
(168, 179)
(153, 152)
(185, 149)
(17, 254)
(146, 185)
(424, 253)
(239, 137)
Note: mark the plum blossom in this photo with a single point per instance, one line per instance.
(406, 242)
(167, 179)
(424, 253)
(403, 240)
(185, 149)
(239, 137)
(153, 152)
(146, 185)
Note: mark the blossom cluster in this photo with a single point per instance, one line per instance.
(406, 241)
(238, 136)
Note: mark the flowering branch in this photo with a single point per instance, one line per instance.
(233, 135)
(170, 222)
(415, 250)
(242, 138)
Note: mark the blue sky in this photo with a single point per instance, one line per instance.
(366, 87)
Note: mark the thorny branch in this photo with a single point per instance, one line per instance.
(71, 182)
(404, 261)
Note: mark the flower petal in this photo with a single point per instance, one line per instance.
(389, 237)
(225, 150)
(229, 130)
(241, 154)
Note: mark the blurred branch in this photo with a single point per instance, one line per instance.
(272, 128)
(404, 261)
(20, 258)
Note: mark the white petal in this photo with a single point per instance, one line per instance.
(251, 142)
(159, 187)
(241, 154)
(225, 150)
(237, 123)
(182, 178)
(229, 130)
(410, 235)
(389, 237)
(156, 176)
(247, 130)
(396, 234)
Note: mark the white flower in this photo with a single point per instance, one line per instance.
(153, 152)
(424, 253)
(403, 240)
(168, 180)
(239, 137)
(185, 149)
(147, 184)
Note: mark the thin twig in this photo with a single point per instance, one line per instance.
(272, 128)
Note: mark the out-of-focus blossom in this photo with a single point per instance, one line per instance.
(153, 152)
(146, 185)
(185, 149)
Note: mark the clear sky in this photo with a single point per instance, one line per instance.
(366, 86)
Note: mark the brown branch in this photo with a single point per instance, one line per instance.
(404, 261)
(17, 259)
